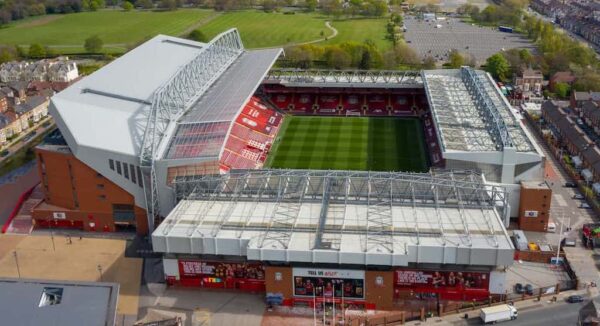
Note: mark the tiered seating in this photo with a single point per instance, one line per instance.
(377, 104)
(251, 136)
(353, 103)
(401, 104)
(435, 152)
(303, 103)
(328, 104)
(283, 101)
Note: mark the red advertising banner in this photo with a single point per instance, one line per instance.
(217, 272)
(441, 279)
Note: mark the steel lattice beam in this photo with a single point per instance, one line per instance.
(391, 78)
(174, 98)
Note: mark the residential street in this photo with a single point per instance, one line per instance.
(19, 143)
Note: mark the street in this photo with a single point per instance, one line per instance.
(20, 143)
(560, 313)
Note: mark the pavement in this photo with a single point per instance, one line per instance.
(20, 141)
(85, 259)
(565, 212)
(481, 42)
(531, 312)
(200, 306)
(11, 191)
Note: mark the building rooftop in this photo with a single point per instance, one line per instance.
(41, 302)
(339, 216)
(471, 113)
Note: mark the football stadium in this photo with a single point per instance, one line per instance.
(386, 184)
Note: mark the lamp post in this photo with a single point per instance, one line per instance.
(559, 238)
(17, 263)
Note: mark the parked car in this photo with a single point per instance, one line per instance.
(529, 289)
(519, 288)
(584, 205)
(574, 299)
(578, 196)
(570, 184)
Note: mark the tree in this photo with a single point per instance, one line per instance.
(146, 4)
(311, 5)
(337, 58)
(497, 66)
(127, 6)
(429, 63)
(36, 51)
(168, 4)
(300, 56)
(93, 44)
(562, 90)
(455, 59)
(197, 35)
(7, 54)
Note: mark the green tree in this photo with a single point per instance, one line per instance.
(36, 51)
(168, 4)
(7, 54)
(337, 58)
(562, 90)
(198, 35)
(127, 6)
(93, 44)
(497, 66)
(311, 5)
(146, 4)
(455, 59)
(429, 63)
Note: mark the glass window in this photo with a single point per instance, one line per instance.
(111, 164)
(125, 170)
(132, 170)
(118, 167)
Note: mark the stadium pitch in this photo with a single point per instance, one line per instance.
(350, 143)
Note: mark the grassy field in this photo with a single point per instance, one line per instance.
(259, 29)
(114, 27)
(350, 143)
(359, 30)
(118, 29)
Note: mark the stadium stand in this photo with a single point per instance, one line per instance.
(377, 104)
(251, 136)
(328, 104)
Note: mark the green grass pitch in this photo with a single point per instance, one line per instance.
(349, 143)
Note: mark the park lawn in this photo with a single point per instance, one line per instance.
(260, 29)
(113, 27)
(350, 143)
(361, 29)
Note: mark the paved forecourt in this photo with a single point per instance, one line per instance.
(350, 143)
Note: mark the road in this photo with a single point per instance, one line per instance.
(19, 143)
(563, 314)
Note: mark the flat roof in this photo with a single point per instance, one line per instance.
(464, 122)
(340, 216)
(22, 302)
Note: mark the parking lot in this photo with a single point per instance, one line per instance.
(481, 42)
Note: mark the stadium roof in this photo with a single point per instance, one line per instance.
(65, 303)
(345, 78)
(340, 216)
(471, 112)
(109, 109)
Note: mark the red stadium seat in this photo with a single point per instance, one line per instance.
(328, 104)
(353, 103)
(377, 104)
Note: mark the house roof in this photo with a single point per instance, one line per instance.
(31, 103)
(563, 77)
(532, 73)
(586, 96)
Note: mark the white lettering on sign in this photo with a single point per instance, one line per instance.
(412, 277)
(196, 267)
(329, 273)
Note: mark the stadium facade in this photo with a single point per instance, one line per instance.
(171, 139)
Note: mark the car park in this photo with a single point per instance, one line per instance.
(574, 299)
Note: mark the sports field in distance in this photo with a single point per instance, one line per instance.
(349, 143)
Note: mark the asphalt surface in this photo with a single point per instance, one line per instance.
(481, 42)
(562, 314)
(22, 141)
